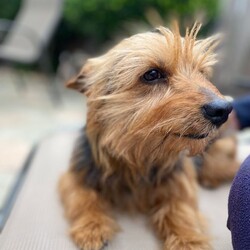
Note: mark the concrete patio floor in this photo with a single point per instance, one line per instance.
(27, 114)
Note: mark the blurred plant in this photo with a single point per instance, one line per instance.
(89, 23)
(101, 19)
(8, 9)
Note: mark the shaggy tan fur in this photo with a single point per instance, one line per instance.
(135, 151)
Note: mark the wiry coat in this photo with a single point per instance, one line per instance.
(133, 152)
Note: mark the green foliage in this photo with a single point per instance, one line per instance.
(100, 19)
(92, 22)
(8, 9)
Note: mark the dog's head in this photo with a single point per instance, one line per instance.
(150, 95)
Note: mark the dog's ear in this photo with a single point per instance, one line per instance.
(79, 82)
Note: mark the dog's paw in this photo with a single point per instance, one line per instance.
(176, 243)
(92, 235)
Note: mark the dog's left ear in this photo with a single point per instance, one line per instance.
(79, 82)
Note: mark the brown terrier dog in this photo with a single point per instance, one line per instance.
(150, 106)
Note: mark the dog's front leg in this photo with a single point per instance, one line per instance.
(92, 226)
(175, 216)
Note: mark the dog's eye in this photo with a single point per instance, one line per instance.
(152, 75)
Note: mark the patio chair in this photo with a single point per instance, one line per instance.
(28, 36)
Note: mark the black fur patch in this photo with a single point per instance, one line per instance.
(82, 160)
(153, 174)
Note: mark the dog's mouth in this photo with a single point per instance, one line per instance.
(193, 136)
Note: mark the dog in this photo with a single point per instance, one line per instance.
(151, 108)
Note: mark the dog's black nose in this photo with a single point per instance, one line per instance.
(217, 111)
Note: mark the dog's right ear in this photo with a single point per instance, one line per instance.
(79, 82)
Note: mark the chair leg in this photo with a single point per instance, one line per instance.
(52, 85)
(17, 75)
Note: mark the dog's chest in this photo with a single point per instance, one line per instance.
(124, 188)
